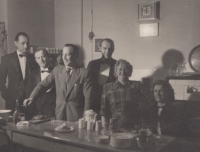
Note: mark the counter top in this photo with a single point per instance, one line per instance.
(45, 134)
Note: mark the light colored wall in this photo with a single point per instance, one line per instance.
(68, 24)
(178, 31)
(3, 18)
(35, 17)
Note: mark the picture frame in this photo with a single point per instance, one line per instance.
(97, 42)
(148, 11)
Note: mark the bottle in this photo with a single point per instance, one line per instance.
(16, 113)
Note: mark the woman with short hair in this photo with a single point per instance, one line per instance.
(123, 98)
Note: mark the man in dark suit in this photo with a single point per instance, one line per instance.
(16, 67)
(45, 105)
(102, 71)
(73, 87)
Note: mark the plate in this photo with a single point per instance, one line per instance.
(122, 136)
(194, 58)
(5, 111)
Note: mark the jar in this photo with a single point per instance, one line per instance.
(180, 69)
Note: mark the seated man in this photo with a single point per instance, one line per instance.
(161, 113)
(45, 104)
(73, 87)
(123, 98)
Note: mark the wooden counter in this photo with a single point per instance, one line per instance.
(43, 137)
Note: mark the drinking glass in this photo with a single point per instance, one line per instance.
(53, 120)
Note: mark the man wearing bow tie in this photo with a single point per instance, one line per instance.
(15, 68)
(73, 87)
(102, 71)
(45, 104)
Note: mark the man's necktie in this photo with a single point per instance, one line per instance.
(23, 55)
(68, 76)
(42, 71)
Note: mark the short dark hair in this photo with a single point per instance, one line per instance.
(129, 66)
(167, 88)
(43, 50)
(21, 34)
(75, 52)
(109, 41)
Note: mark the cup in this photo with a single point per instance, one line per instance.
(89, 125)
(81, 123)
(98, 125)
(53, 120)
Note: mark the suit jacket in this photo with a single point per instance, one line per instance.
(10, 68)
(71, 99)
(165, 119)
(94, 67)
(45, 104)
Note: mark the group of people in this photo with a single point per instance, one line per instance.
(68, 90)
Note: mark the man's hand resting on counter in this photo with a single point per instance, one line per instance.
(27, 102)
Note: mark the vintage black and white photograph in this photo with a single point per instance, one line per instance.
(99, 76)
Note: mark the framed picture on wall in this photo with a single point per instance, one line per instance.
(148, 11)
(97, 44)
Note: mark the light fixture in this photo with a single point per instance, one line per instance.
(91, 34)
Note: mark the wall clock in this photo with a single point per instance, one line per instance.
(148, 11)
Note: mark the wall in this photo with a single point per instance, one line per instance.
(35, 17)
(151, 56)
(178, 33)
(68, 24)
(3, 18)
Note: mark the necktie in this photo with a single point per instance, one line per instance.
(68, 76)
(23, 55)
(42, 71)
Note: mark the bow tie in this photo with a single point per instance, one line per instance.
(23, 55)
(42, 71)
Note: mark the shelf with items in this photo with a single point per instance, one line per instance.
(50, 50)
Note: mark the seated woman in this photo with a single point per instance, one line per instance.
(123, 98)
(161, 113)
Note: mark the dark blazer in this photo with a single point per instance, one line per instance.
(71, 99)
(166, 117)
(45, 104)
(94, 67)
(10, 68)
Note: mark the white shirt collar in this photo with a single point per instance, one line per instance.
(41, 68)
(18, 52)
